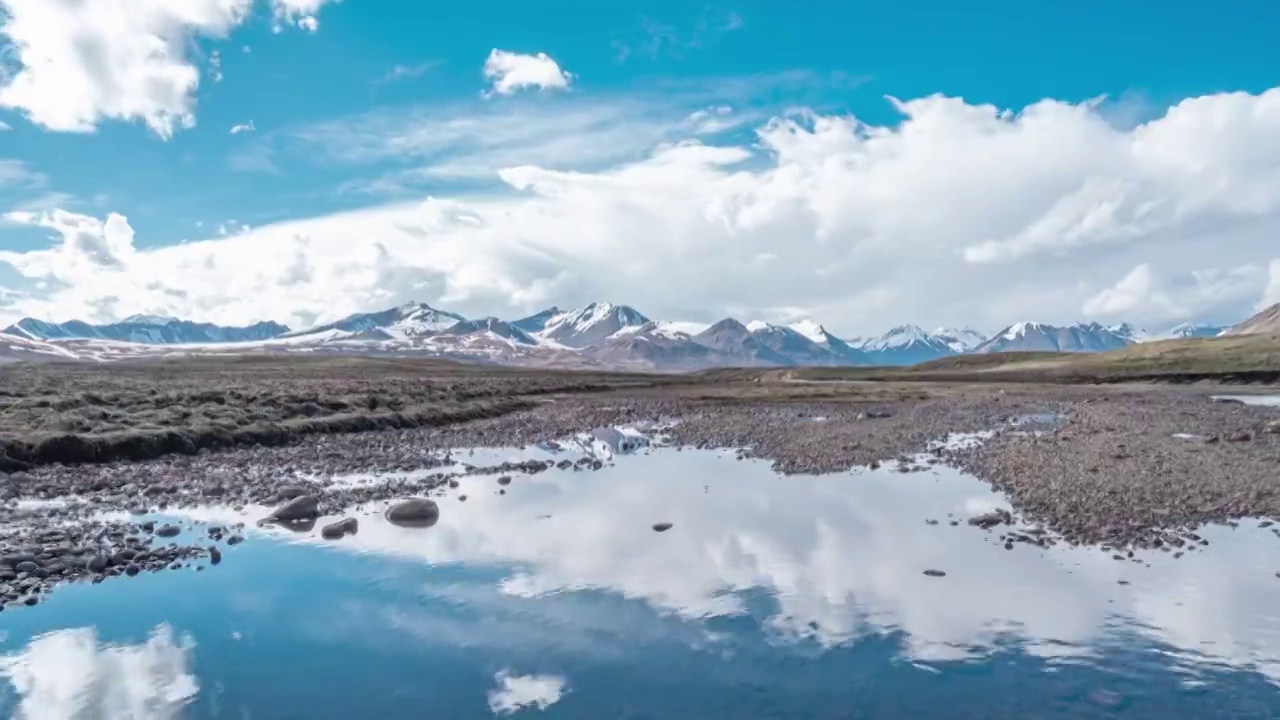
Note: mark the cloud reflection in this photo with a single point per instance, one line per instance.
(841, 558)
(516, 692)
(69, 674)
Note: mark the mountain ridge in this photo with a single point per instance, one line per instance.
(597, 334)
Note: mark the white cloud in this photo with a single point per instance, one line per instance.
(87, 246)
(510, 72)
(516, 692)
(301, 13)
(68, 673)
(958, 215)
(246, 127)
(1140, 288)
(4, 126)
(74, 64)
(82, 62)
(472, 141)
(1272, 294)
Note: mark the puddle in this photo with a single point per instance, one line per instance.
(1263, 400)
(768, 596)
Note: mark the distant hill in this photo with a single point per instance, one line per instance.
(1267, 321)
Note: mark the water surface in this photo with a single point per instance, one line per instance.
(1264, 400)
(770, 597)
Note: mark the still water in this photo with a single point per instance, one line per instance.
(770, 597)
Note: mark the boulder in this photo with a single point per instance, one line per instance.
(417, 512)
(337, 530)
(300, 509)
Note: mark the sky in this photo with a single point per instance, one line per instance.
(861, 164)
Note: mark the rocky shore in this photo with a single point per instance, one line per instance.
(1126, 467)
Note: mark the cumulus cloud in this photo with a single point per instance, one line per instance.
(509, 72)
(1137, 290)
(74, 64)
(959, 214)
(69, 673)
(246, 127)
(516, 692)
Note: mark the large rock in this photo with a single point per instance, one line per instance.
(297, 510)
(335, 531)
(417, 512)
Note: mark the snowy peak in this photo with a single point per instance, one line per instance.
(591, 324)
(813, 346)
(411, 320)
(960, 340)
(813, 331)
(903, 345)
(490, 326)
(1041, 337)
(737, 342)
(900, 337)
(1130, 332)
(1186, 331)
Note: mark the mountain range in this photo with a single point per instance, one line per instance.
(600, 334)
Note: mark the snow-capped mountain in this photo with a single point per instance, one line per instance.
(656, 346)
(537, 322)
(801, 349)
(145, 330)
(904, 345)
(1131, 333)
(491, 326)
(734, 340)
(1192, 330)
(598, 335)
(411, 320)
(1267, 321)
(1039, 337)
(586, 326)
(844, 352)
(960, 340)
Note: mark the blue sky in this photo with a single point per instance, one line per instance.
(386, 103)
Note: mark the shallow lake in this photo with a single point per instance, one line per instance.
(769, 597)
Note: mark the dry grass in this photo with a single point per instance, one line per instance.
(96, 413)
